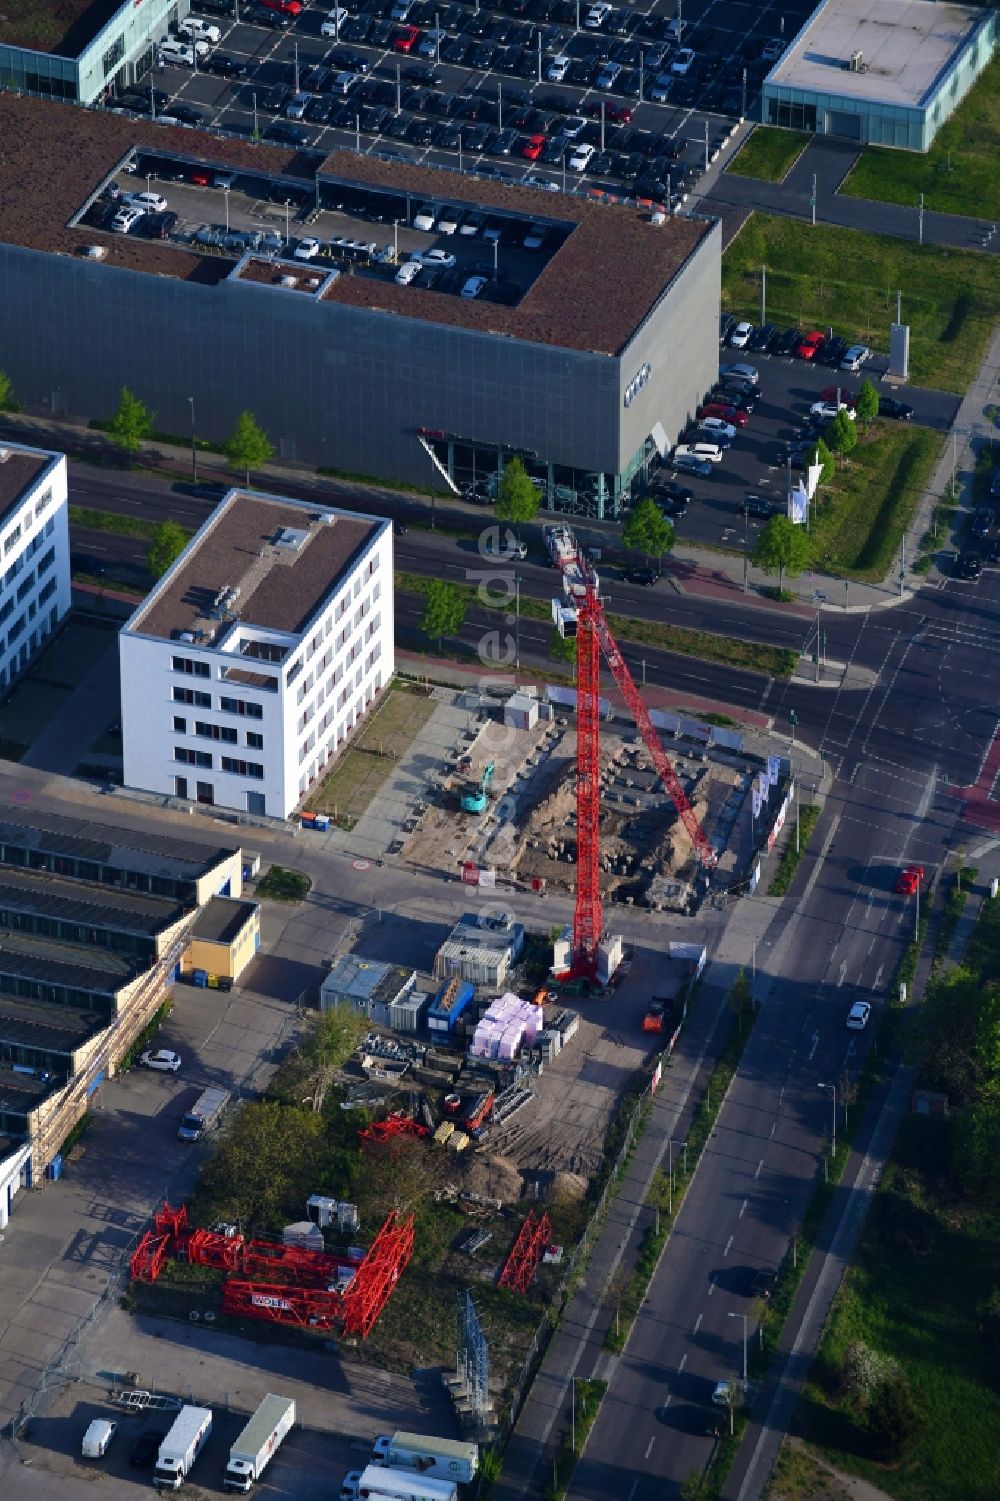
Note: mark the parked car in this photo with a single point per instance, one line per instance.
(125, 220)
(762, 338)
(763, 1283)
(147, 203)
(707, 452)
(195, 29)
(756, 505)
(741, 372)
(683, 62)
(428, 258)
(225, 67)
(739, 338)
(827, 410)
(889, 406)
(857, 1017)
(408, 273)
(717, 425)
(580, 158)
(726, 325)
(735, 416)
(968, 565)
(788, 342)
(673, 490)
(689, 463)
(160, 1059)
(855, 357)
(146, 1448)
(474, 286)
(644, 577)
(808, 345)
(981, 521)
(557, 68)
(308, 248)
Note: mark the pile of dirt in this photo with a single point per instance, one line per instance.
(568, 1186)
(494, 1177)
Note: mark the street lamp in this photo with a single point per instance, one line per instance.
(833, 1090)
(517, 622)
(194, 448)
(744, 1318)
(225, 195)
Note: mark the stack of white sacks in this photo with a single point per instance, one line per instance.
(509, 1025)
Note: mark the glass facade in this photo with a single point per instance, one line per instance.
(476, 469)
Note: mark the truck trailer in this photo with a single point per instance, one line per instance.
(252, 1451)
(442, 1458)
(378, 1483)
(181, 1447)
(205, 1113)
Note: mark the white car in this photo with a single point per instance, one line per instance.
(710, 452)
(408, 272)
(681, 64)
(147, 203)
(449, 221)
(334, 21)
(855, 357)
(307, 249)
(727, 1393)
(474, 286)
(424, 217)
(558, 68)
(829, 409)
(125, 220)
(740, 336)
(434, 258)
(295, 109)
(608, 76)
(199, 31)
(572, 126)
(717, 425)
(161, 1059)
(857, 1017)
(181, 54)
(596, 16)
(580, 160)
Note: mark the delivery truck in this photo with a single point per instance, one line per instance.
(378, 1483)
(181, 1447)
(441, 1458)
(205, 1113)
(252, 1451)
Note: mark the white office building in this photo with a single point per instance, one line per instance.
(34, 546)
(246, 669)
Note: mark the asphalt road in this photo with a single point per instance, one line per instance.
(897, 750)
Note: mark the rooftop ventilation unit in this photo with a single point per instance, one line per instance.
(857, 63)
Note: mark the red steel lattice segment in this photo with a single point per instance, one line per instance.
(525, 1254)
(588, 920)
(147, 1259)
(396, 1124)
(377, 1275)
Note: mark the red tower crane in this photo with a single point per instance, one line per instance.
(584, 615)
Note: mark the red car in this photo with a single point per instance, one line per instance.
(829, 393)
(533, 147)
(620, 114)
(406, 39)
(910, 880)
(201, 176)
(808, 345)
(284, 7)
(736, 415)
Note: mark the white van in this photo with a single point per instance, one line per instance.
(97, 1438)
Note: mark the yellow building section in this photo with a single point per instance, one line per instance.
(224, 939)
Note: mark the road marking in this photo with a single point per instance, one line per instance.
(684, 1361)
(759, 1166)
(878, 977)
(649, 1446)
(775, 1125)
(697, 1323)
(711, 1288)
(729, 1244)
(635, 1487)
(812, 1050)
(743, 1208)
(843, 970)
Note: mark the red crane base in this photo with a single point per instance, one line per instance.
(526, 1253)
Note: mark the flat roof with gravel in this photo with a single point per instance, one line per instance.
(279, 559)
(906, 46)
(19, 469)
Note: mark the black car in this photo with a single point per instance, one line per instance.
(981, 521)
(888, 406)
(992, 553)
(146, 1447)
(214, 7)
(223, 67)
(259, 15)
(995, 485)
(762, 339)
(645, 577)
(424, 76)
(786, 343)
(763, 1283)
(185, 113)
(831, 351)
(158, 226)
(756, 505)
(968, 565)
(276, 98)
(672, 490)
(287, 133)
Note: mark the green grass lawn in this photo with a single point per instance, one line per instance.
(823, 275)
(960, 174)
(858, 519)
(359, 774)
(769, 153)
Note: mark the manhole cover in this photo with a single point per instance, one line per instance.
(361, 864)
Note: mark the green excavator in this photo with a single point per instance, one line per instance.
(476, 797)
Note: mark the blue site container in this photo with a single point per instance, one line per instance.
(55, 1167)
(448, 1004)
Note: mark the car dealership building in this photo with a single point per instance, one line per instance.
(590, 364)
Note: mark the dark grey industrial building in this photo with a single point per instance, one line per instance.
(597, 364)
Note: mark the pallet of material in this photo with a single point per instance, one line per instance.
(444, 1131)
(459, 1141)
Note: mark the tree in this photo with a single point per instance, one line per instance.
(647, 530)
(6, 388)
(841, 435)
(782, 547)
(517, 497)
(562, 648)
(132, 423)
(866, 404)
(895, 1418)
(739, 998)
(248, 446)
(169, 541)
(266, 1165)
(821, 455)
(444, 610)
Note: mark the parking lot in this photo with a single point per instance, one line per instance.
(478, 85)
(756, 464)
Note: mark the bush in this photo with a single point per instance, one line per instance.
(895, 1418)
